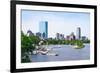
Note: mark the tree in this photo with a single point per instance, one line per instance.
(26, 47)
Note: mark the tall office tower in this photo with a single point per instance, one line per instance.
(78, 33)
(43, 29)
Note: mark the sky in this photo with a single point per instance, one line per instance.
(58, 22)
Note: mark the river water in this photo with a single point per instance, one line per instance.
(65, 53)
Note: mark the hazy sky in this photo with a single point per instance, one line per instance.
(58, 22)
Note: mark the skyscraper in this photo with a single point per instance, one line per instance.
(78, 33)
(43, 28)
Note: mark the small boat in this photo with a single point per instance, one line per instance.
(52, 54)
(44, 52)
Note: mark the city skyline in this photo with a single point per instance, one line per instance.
(58, 36)
(58, 22)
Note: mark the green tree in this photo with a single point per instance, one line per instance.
(26, 47)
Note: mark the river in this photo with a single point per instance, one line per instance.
(65, 53)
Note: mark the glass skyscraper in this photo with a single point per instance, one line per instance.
(43, 29)
(78, 33)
